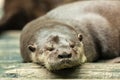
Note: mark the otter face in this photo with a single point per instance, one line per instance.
(58, 52)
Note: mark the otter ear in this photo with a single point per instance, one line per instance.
(32, 48)
(80, 37)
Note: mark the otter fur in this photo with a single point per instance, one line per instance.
(73, 34)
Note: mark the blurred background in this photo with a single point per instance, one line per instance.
(14, 14)
(1, 8)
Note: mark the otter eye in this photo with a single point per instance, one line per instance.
(32, 48)
(72, 44)
(50, 48)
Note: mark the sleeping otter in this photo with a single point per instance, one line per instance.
(73, 34)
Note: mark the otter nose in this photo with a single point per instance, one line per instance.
(64, 55)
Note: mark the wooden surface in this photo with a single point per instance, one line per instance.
(12, 68)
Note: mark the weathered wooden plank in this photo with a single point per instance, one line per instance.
(10, 54)
(86, 71)
(9, 47)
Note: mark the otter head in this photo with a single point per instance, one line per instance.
(58, 50)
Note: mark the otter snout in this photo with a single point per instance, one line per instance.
(64, 55)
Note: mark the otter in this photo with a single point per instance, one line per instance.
(73, 34)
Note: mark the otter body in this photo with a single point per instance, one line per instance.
(73, 34)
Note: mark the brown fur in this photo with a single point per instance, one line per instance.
(98, 24)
